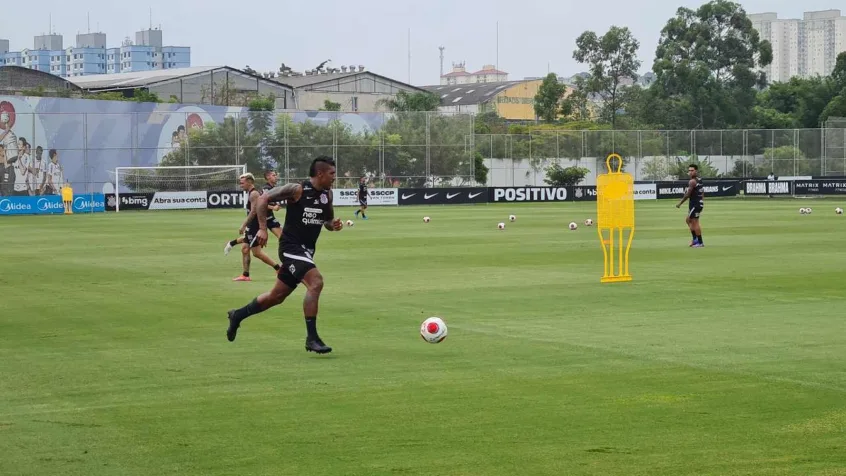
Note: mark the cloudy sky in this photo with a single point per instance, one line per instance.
(534, 35)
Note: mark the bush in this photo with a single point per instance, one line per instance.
(557, 176)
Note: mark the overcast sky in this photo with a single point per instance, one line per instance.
(533, 34)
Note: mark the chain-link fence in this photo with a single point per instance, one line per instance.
(392, 149)
(522, 159)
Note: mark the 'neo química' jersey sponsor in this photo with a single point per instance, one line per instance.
(305, 218)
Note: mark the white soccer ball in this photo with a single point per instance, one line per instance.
(350, 223)
(426, 219)
(512, 217)
(808, 210)
(838, 211)
(803, 210)
(588, 222)
(433, 330)
(573, 225)
(500, 225)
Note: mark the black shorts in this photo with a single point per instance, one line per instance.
(694, 212)
(253, 228)
(363, 203)
(295, 264)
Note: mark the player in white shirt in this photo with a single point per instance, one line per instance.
(54, 174)
(10, 145)
(38, 173)
(21, 186)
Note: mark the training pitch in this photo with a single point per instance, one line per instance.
(723, 360)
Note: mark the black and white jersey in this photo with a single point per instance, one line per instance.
(264, 189)
(304, 220)
(253, 224)
(362, 192)
(697, 199)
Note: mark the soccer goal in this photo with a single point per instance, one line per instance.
(189, 178)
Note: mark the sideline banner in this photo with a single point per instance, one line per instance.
(819, 187)
(767, 187)
(645, 191)
(178, 201)
(375, 196)
(51, 204)
(225, 199)
(528, 194)
(442, 196)
(713, 188)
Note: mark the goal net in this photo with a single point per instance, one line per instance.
(193, 178)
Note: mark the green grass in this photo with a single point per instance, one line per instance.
(722, 360)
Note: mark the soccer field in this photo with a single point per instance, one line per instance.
(723, 360)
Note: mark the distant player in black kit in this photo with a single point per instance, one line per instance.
(309, 210)
(696, 194)
(249, 228)
(362, 198)
(270, 180)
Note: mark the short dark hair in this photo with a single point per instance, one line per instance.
(695, 167)
(325, 159)
(52, 153)
(268, 172)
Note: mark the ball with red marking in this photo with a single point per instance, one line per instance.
(433, 330)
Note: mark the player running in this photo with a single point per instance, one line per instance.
(362, 198)
(270, 180)
(309, 210)
(249, 229)
(696, 193)
(272, 223)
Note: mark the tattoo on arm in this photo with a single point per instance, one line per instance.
(290, 191)
(690, 187)
(252, 213)
(282, 193)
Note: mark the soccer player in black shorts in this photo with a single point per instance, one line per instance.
(272, 224)
(362, 198)
(309, 210)
(696, 193)
(249, 229)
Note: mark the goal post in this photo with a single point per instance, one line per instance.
(189, 178)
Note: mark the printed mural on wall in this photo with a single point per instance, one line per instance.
(47, 141)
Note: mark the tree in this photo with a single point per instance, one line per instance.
(331, 106)
(787, 160)
(835, 108)
(489, 123)
(798, 102)
(548, 98)
(838, 75)
(706, 169)
(612, 59)
(557, 176)
(706, 63)
(656, 168)
(409, 102)
(480, 170)
(576, 104)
